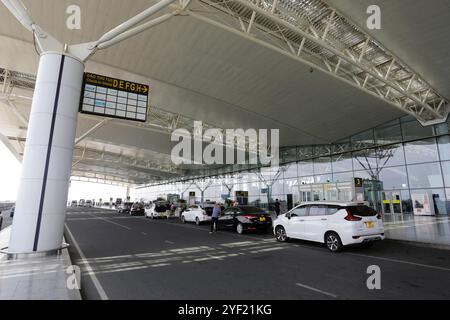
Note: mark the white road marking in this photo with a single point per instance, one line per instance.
(317, 290)
(143, 233)
(115, 223)
(169, 242)
(399, 261)
(88, 267)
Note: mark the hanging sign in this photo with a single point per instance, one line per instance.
(115, 98)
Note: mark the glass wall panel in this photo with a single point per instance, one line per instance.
(394, 178)
(305, 168)
(305, 152)
(291, 171)
(288, 154)
(414, 130)
(342, 162)
(343, 176)
(322, 165)
(447, 193)
(363, 174)
(444, 147)
(363, 140)
(388, 134)
(365, 160)
(407, 206)
(278, 188)
(291, 186)
(306, 180)
(438, 196)
(441, 129)
(446, 172)
(324, 178)
(421, 151)
(426, 175)
(390, 156)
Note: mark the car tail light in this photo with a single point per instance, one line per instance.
(351, 217)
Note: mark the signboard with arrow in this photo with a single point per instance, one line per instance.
(115, 98)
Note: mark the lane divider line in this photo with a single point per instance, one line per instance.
(316, 290)
(87, 266)
(399, 261)
(115, 223)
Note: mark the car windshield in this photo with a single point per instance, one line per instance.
(362, 211)
(252, 210)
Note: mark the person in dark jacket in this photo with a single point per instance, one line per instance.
(277, 207)
(215, 217)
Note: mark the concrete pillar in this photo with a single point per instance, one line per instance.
(38, 223)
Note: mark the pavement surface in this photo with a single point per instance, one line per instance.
(123, 257)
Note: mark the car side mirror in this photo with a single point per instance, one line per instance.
(288, 215)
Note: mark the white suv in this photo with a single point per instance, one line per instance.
(336, 224)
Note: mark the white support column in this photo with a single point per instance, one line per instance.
(41, 203)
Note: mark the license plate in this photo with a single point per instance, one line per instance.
(262, 219)
(370, 224)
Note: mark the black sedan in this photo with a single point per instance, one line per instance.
(137, 209)
(245, 218)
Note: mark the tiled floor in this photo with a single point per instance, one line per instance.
(42, 278)
(425, 229)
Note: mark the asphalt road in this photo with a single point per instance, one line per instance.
(124, 257)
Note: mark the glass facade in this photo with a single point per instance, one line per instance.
(401, 162)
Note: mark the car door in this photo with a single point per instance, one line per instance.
(196, 212)
(295, 223)
(315, 223)
(226, 219)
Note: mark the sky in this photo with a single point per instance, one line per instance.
(10, 169)
(9, 174)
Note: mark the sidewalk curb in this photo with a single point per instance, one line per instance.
(439, 246)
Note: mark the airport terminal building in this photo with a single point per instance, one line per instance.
(402, 165)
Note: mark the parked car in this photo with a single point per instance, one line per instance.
(208, 206)
(137, 209)
(81, 203)
(88, 204)
(125, 207)
(245, 218)
(158, 209)
(11, 212)
(336, 224)
(74, 203)
(195, 213)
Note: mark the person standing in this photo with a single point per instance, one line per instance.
(277, 207)
(215, 217)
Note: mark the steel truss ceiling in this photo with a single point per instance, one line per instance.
(312, 32)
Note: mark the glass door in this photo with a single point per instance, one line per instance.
(392, 202)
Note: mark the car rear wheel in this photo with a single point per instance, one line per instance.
(240, 228)
(333, 242)
(197, 221)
